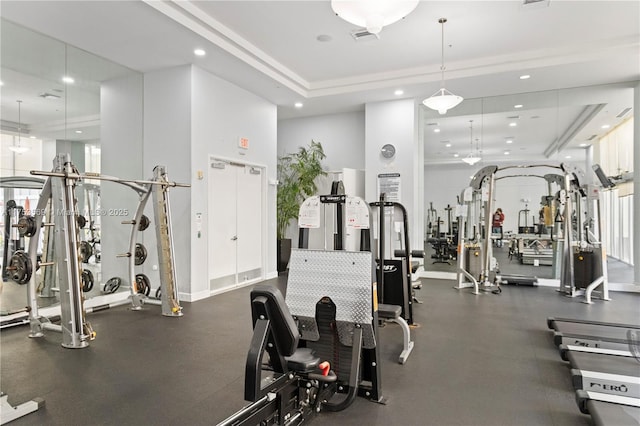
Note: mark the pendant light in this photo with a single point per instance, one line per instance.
(443, 99)
(373, 14)
(19, 149)
(472, 158)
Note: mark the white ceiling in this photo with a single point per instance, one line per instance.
(271, 49)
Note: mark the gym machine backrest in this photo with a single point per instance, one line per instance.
(297, 384)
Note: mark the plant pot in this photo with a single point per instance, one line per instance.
(284, 253)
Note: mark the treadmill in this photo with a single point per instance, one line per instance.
(573, 324)
(607, 410)
(616, 375)
(591, 333)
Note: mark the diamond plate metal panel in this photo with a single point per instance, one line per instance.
(343, 276)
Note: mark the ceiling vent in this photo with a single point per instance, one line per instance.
(592, 137)
(362, 34)
(623, 112)
(541, 3)
(514, 117)
(432, 124)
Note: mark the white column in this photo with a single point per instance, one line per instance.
(636, 184)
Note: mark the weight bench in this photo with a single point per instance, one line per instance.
(392, 313)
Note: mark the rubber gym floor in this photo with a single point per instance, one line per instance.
(478, 360)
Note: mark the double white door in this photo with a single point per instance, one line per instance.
(235, 224)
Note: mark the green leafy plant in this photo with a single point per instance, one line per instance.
(297, 173)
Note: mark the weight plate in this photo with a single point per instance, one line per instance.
(144, 223)
(140, 254)
(112, 285)
(27, 226)
(158, 292)
(82, 221)
(87, 280)
(143, 285)
(86, 251)
(20, 267)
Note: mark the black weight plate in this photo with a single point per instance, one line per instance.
(143, 284)
(27, 226)
(112, 285)
(144, 223)
(87, 280)
(20, 267)
(158, 292)
(140, 254)
(86, 251)
(82, 221)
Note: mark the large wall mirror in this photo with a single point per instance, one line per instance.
(568, 126)
(51, 103)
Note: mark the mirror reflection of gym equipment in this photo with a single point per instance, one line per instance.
(574, 240)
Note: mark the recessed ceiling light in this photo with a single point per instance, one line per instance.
(525, 76)
(1, 83)
(506, 153)
(513, 124)
(509, 141)
(584, 144)
(456, 155)
(78, 131)
(68, 80)
(448, 145)
(298, 105)
(199, 52)
(518, 106)
(399, 92)
(605, 126)
(436, 130)
(567, 157)
(32, 137)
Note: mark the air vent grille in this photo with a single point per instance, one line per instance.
(623, 112)
(592, 137)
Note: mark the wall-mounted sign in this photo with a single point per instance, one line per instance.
(243, 143)
(389, 184)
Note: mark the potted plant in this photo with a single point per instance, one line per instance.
(297, 173)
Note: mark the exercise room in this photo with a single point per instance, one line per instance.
(334, 212)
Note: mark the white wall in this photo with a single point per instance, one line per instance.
(121, 156)
(221, 114)
(395, 123)
(167, 142)
(341, 135)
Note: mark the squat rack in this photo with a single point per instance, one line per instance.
(59, 188)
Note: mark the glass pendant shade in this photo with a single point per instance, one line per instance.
(442, 101)
(373, 14)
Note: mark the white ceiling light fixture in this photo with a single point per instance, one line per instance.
(199, 52)
(436, 130)
(472, 158)
(373, 15)
(19, 149)
(298, 105)
(68, 80)
(518, 106)
(443, 100)
(525, 77)
(399, 92)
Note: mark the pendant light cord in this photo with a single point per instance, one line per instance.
(442, 21)
(19, 121)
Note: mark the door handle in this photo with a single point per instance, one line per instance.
(234, 238)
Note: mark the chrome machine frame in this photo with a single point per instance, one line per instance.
(59, 188)
(569, 195)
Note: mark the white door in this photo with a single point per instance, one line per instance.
(235, 224)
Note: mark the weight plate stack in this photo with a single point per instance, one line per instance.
(112, 285)
(87, 280)
(143, 284)
(140, 254)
